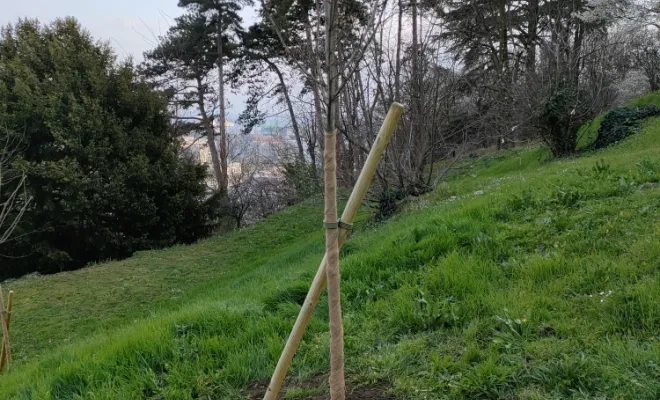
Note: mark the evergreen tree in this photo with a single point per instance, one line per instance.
(181, 65)
(223, 16)
(101, 162)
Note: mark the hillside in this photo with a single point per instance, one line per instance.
(520, 277)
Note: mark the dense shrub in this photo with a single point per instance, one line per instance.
(622, 122)
(388, 202)
(560, 116)
(101, 163)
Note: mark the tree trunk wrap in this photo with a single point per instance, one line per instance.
(337, 385)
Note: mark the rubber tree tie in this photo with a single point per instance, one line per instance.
(345, 225)
(331, 225)
(339, 224)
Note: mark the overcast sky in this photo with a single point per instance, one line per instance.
(129, 25)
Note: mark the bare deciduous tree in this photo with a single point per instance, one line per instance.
(14, 199)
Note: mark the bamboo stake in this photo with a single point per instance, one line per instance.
(348, 216)
(5, 355)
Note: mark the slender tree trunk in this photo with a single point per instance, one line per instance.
(532, 36)
(418, 139)
(316, 75)
(504, 111)
(351, 128)
(210, 134)
(289, 104)
(337, 384)
(223, 184)
(397, 72)
(312, 139)
(577, 53)
(366, 112)
(378, 55)
(654, 82)
(503, 38)
(340, 149)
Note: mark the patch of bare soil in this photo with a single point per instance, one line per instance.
(316, 388)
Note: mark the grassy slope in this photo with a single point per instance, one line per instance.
(488, 288)
(63, 308)
(589, 131)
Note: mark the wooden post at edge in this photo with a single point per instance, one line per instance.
(350, 211)
(5, 354)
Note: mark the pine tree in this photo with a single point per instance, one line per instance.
(223, 16)
(182, 65)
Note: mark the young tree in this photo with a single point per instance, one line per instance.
(337, 384)
(345, 43)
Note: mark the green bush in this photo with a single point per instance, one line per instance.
(623, 122)
(388, 202)
(560, 117)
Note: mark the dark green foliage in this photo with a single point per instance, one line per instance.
(560, 117)
(388, 202)
(623, 122)
(189, 49)
(303, 177)
(97, 146)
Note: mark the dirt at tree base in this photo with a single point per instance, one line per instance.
(316, 388)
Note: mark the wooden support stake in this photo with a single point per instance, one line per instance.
(5, 354)
(350, 211)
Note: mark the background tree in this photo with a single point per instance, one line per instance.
(644, 52)
(262, 52)
(225, 29)
(183, 65)
(97, 148)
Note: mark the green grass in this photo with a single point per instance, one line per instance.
(520, 277)
(62, 308)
